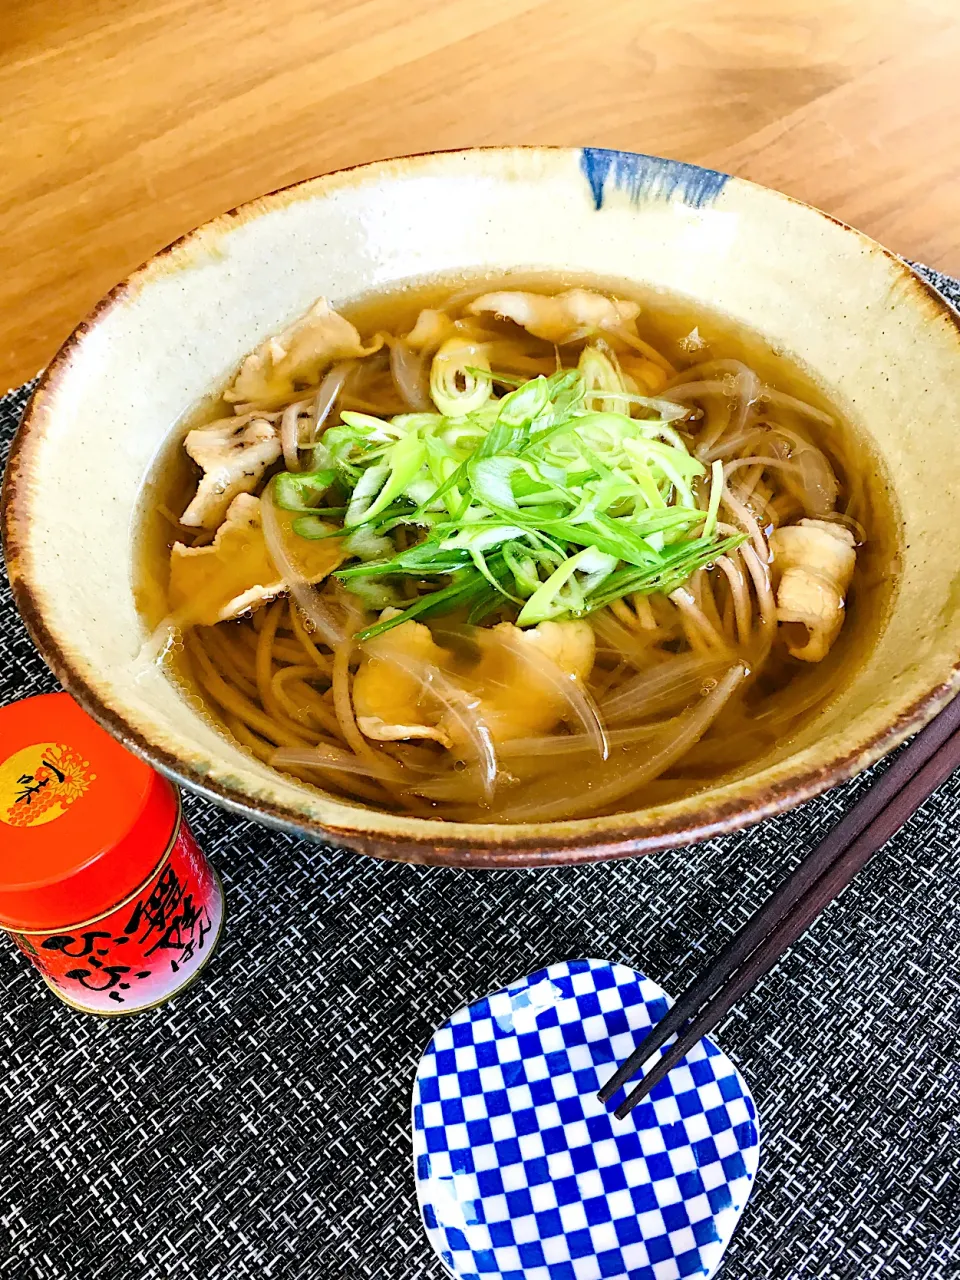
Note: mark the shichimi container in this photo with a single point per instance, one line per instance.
(102, 884)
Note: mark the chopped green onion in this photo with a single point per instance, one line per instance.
(601, 379)
(716, 492)
(455, 390)
(301, 491)
(469, 589)
(546, 602)
(553, 499)
(504, 379)
(404, 460)
(314, 528)
(364, 495)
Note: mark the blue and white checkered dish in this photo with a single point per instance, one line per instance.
(523, 1175)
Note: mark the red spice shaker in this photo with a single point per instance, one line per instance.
(102, 884)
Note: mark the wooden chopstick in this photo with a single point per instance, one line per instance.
(776, 925)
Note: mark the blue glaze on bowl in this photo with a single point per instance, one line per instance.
(522, 1174)
(649, 177)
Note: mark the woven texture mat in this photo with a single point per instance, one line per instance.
(258, 1126)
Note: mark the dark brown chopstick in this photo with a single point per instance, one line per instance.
(824, 873)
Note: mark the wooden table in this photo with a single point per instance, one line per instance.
(126, 122)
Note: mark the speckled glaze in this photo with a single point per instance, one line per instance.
(883, 345)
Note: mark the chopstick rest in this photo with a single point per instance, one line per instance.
(890, 802)
(523, 1174)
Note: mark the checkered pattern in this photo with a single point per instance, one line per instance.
(522, 1174)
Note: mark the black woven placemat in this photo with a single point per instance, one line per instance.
(258, 1126)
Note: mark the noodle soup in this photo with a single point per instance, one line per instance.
(526, 549)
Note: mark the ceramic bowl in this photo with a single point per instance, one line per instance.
(882, 345)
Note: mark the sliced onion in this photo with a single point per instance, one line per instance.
(311, 604)
(812, 480)
(817, 482)
(660, 688)
(332, 758)
(732, 443)
(575, 744)
(457, 786)
(748, 391)
(704, 387)
(290, 434)
(409, 371)
(758, 459)
(649, 353)
(730, 378)
(848, 522)
(707, 369)
(629, 774)
(464, 710)
(330, 388)
(635, 649)
(780, 400)
(578, 700)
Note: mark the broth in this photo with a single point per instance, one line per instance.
(686, 687)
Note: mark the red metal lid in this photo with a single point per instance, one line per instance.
(82, 821)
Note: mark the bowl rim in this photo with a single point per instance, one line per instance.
(425, 840)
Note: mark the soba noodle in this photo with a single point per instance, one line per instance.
(509, 558)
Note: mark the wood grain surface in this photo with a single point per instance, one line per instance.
(127, 122)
